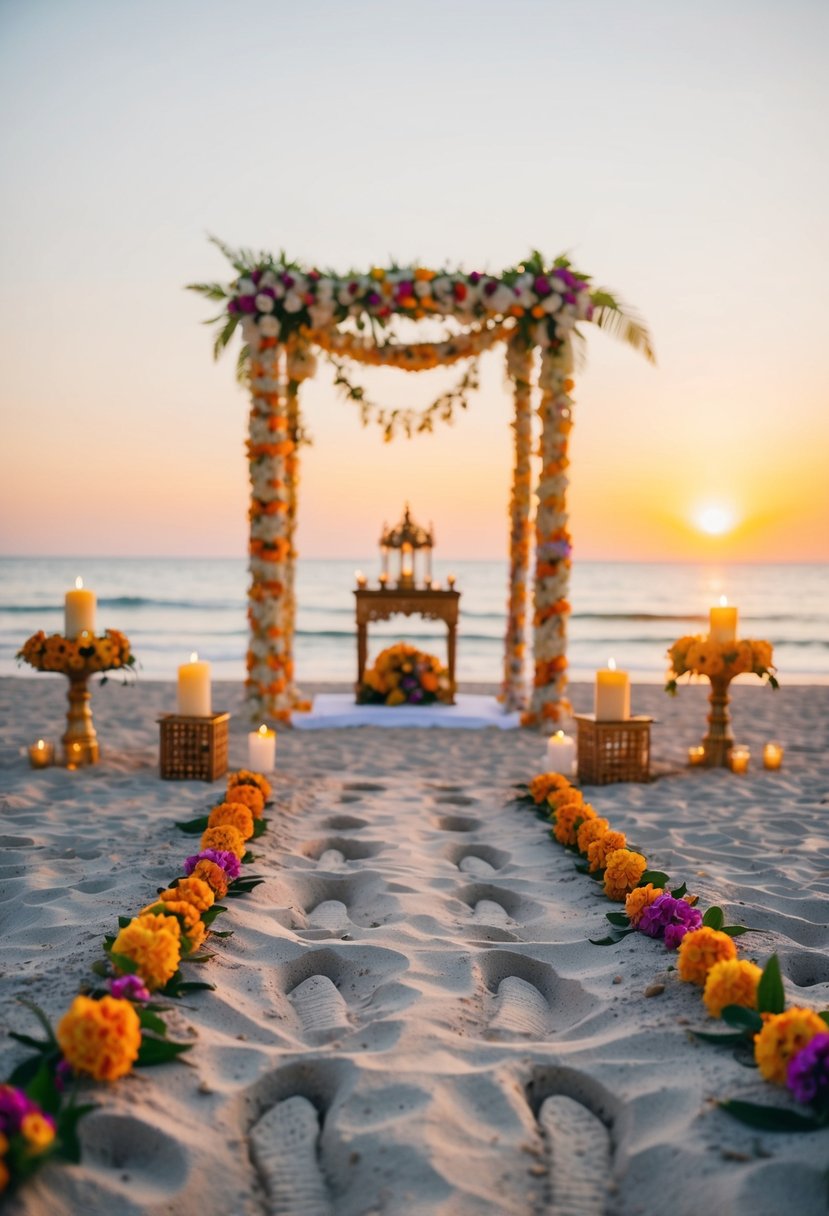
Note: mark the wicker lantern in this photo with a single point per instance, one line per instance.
(407, 539)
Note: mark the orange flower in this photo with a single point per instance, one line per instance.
(544, 783)
(100, 1038)
(598, 849)
(568, 820)
(232, 814)
(248, 795)
(195, 936)
(589, 831)
(38, 1131)
(731, 982)
(699, 950)
(244, 776)
(192, 890)
(213, 875)
(639, 899)
(226, 837)
(783, 1036)
(623, 869)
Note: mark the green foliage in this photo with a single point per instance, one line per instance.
(772, 1118)
(771, 997)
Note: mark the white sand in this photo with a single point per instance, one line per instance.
(408, 1018)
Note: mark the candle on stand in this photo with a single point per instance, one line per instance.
(41, 754)
(773, 755)
(79, 611)
(696, 755)
(722, 622)
(561, 754)
(262, 750)
(194, 689)
(360, 577)
(450, 582)
(738, 758)
(612, 699)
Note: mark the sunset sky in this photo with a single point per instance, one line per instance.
(676, 152)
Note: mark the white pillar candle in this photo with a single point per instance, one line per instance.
(78, 611)
(194, 689)
(561, 754)
(722, 623)
(262, 750)
(612, 701)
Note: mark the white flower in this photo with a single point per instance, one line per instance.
(321, 314)
(552, 303)
(293, 301)
(269, 327)
(344, 296)
(268, 279)
(246, 287)
(264, 303)
(422, 288)
(250, 331)
(325, 291)
(502, 299)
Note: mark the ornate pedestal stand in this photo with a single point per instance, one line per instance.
(719, 740)
(80, 743)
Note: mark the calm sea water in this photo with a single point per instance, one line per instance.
(169, 607)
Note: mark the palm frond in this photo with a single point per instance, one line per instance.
(213, 291)
(611, 315)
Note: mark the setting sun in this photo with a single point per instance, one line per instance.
(714, 519)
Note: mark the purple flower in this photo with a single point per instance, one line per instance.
(416, 696)
(490, 287)
(63, 1075)
(246, 303)
(288, 280)
(542, 285)
(475, 277)
(14, 1105)
(668, 913)
(374, 297)
(570, 297)
(256, 275)
(405, 288)
(129, 988)
(233, 306)
(808, 1073)
(229, 862)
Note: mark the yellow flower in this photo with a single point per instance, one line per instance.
(213, 875)
(598, 849)
(100, 1038)
(544, 783)
(224, 838)
(38, 1131)
(192, 890)
(395, 697)
(557, 798)
(247, 795)
(174, 908)
(233, 814)
(731, 982)
(244, 776)
(568, 820)
(152, 943)
(196, 934)
(783, 1036)
(623, 869)
(639, 899)
(699, 950)
(705, 657)
(589, 831)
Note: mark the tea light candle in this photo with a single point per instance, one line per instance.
(722, 622)
(773, 755)
(739, 758)
(696, 755)
(384, 578)
(79, 611)
(450, 582)
(561, 754)
(360, 577)
(41, 754)
(612, 699)
(262, 750)
(194, 700)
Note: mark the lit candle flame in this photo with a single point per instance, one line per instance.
(79, 583)
(723, 601)
(194, 657)
(263, 730)
(559, 734)
(611, 663)
(40, 745)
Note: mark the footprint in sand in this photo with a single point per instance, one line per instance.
(337, 850)
(345, 823)
(320, 1007)
(330, 914)
(285, 1150)
(520, 1009)
(457, 823)
(530, 998)
(578, 1144)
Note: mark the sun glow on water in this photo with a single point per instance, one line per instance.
(715, 519)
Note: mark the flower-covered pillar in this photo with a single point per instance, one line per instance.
(553, 547)
(271, 450)
(519, 371)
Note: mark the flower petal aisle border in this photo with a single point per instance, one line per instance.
(286, 309)
(789, 1046)
(118, 1022)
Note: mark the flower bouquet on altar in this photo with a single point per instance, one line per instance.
(85, 654)
(404, 675)
(703, 656)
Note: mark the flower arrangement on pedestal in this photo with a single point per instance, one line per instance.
(85, 654)
(702, 656)
(404, 675)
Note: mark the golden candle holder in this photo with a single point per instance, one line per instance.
(80, 742)
(718, 740)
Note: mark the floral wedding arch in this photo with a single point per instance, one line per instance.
(288, 314)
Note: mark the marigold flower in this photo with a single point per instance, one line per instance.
(247, 795)
(542, 785)
(184, 911)
(224, 839)
(782, 1037)
(236, 814)
(598, 849)
(639, 899)
(244, 776)
(731, 982)
(699, 950)
(213, 875)
(623, 869)
(568, 820)
(152, 942)
(193, 891)
(101, 1038)
(196, 933)
(38, 1130)
(590, 830)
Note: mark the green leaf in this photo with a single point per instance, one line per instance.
(611, 940)
(657, 877)
(718, 1038)
(69, 1146)
(678, 892)
(151, 1021)
(193, 826)
(248, 858)
(714, 918)
(182, 986)
(198, 958)
(41, 1017)
(222, 933)
(771, 1118)
(770, 995)
(123, 921)
(25, 1072)
(159, 1051)
(824, 1013)
(27, 1040)
(124, 964)
(41, 1088)
(618, 918)
(735, 930)
(212, 912)
(748, 1020)
(100, 967)
(242, 886)
(260, 827)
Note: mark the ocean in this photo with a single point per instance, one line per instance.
(631, 612)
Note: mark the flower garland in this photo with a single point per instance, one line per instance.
(519, 370)
(789, 1046)
(701, 656)
(85, 654)
(404, 675)
(553, 543)
(110, 1029)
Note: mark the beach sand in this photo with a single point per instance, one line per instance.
(408, 1018)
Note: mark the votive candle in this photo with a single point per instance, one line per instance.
(262, 750)
(773, 755)
(194, 695)
(612, 698)
(41, 754)
(738, 759)
(722, 622)
(79, 610)
(696, 755)
(561, 754)
(360, 577)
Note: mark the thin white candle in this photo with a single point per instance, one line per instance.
(262, 750)
(561, 754)
(194, 695)
(612, 699)
(79, 611)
